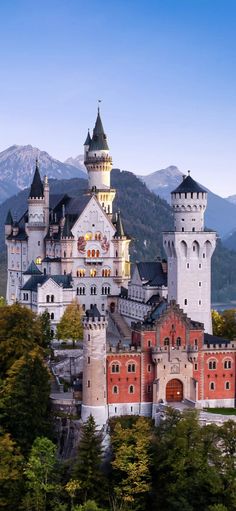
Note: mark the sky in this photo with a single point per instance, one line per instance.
(165, 71)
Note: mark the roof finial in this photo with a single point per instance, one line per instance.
(99, 101)
(188, 172)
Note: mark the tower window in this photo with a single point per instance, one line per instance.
(115, 389)
(182, 229)
(195, 367)
(131, 368)
(199, 284)
(88, 360)
(227, 385)
(212, 364)
(52, 315)
(188, 265)
(185, 301)
(131, 389)
(115, 368)
(212, 385)
(227, 364)
(88, 384)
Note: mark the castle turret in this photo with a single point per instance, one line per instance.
(36, 226)
(189, 249)
(99, 165)
(8, 224)
(94, 400)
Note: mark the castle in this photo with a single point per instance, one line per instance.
(66, 248)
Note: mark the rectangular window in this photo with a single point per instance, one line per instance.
(187, 265)
(149, 368)
(195, 367)
(88, 360)
(199, 284)
(88, 383)
(149, 389)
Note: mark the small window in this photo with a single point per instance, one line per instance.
(88, 384)
(194, 248)
(52, 298)
(199, 266)
(149, 368)
(148, 389)
(185, 301)
(227, 385)
(203, 255)
(115, 368)
(178, 341)
(195, 342)
(52, 315)
(212, 385)
(115, 389)
(212, 364)
(149, 344)
(131, 389)
(227, 364)
(88, 360)
(195, 367)
(182, 229)
(166, 341)
(38, 260)
(47, 298)
(187, 265)
(131, 368)
(38, 243)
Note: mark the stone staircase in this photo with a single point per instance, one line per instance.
(121, 326)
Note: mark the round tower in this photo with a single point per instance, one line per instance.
(36, 227)
(189, 250)
(99, 165)
(94, 400)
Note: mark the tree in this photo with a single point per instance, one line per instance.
(70, 326)
(224, 323)
(20, 332)
(87, 468)
(217, 323)
(11, 479)
(24, 399)
(45, 323)
(40, 474)
(90, 505)
(132, 462)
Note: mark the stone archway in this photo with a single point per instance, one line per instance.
(174, 390)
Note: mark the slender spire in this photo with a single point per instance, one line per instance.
(66, 232)
(99, 139)
(9, 219)
(36, 189)
(88, 139)
(119, 227)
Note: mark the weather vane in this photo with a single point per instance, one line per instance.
(99, 101)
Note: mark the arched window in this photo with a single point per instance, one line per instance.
(64, 253)
(93, 272)
(227, 385)
(52, 298)
(115, 368)
(166, 341)
(212, 364)
(131, 368)
(97, 253)
(81, 272)
(88, 236)
(115, 389)
(131, 389)
(98, 236)
(52, 315)
(227, 364)
(212, 385)
(88, 253)
(93, 290)
(93, 253)
(38, 260)
(47, 298)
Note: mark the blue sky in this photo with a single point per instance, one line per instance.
(164, 69)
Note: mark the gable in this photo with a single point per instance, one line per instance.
(93, 218)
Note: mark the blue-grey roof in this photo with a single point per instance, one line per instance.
(188, 185)
(152, 274)
(34, 280)
(93, 312)
(36, 189)
(214, 339)
(21, 236)
(32, 269)
(99, 139)
(9, 219)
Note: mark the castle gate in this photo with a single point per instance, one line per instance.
(174, 390)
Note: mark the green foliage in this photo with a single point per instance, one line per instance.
(24, 399)
(224, 323)
(90, 505)
(44, 320)
(87, 469)
(20, 332)
(40, 475)
(11, 479)
(70, 326)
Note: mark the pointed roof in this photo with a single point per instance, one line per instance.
(32, 269)
(66, 233)
(188, 185)
(36, 189)
(119, 227)
(93, 313)
(9, 219)
(88, 139)
(99, 139)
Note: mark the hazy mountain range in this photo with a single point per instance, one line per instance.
(17, 164)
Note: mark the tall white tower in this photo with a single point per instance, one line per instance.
(99, 165)
(189, 249)
(94, 400)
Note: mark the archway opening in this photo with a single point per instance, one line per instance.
(174, 390)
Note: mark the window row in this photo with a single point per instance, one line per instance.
(90, 236)
(131, 368)
(213, 363)
(115, 389)
(106, 290)
(50, 298)
(93, 272)
(212, 385)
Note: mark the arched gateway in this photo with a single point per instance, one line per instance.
(174, 390)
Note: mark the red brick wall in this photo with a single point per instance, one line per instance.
(219, 376)
(123, 379)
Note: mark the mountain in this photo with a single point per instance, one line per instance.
(17, 164)
(145, 216)
(231, 198)
(220, 214)
(77, 162)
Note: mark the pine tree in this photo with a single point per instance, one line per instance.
(11, 476)
(87, 469)
(24, 400)
(70, 326)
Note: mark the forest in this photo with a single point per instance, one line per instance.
(134, 464)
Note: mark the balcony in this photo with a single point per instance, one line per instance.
(93, 260)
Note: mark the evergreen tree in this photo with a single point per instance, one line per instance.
(24, 400)
(11, 477)
(87, 469)
(70, 326)
(46, 333)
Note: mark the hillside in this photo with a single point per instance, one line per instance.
(145, 216)
(17, 164)
(220, 213)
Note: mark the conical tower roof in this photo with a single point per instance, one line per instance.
(88, 139)
(66, 232)
(36, 189)
(9, 219)
(188, 185)
(99, 139)
(32, 269)
(119, 227)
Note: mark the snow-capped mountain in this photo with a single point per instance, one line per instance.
(17, 165)
(77, 162)
(163, 181)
